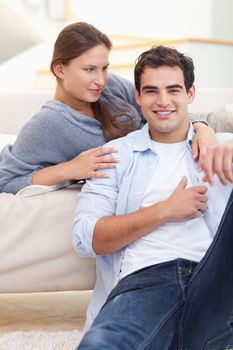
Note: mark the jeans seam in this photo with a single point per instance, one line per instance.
(163, 321)
(216, 339)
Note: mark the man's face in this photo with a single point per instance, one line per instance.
(164, 102)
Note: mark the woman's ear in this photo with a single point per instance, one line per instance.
(58, 69)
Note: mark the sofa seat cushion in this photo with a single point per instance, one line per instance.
(36, 250)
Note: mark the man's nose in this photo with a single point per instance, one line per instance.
(163, 99)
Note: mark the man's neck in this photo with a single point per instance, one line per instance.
(178, 135)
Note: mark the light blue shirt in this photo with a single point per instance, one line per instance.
(121, 193)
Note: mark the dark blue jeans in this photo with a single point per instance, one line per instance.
(174, 305)
(207, 320)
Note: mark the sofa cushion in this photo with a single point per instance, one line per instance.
(36, 252)
(6, 139)
(229, 108)
(220, 121)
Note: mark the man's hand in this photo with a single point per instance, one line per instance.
(186, 203)
(115, 232)
(218, 160)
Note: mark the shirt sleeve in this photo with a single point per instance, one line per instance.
(98, 198)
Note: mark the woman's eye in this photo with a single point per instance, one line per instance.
(89, 70)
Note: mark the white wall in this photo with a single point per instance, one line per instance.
(222, 19)
(158, 19)
(16, 32)
(214, 64)
(153, 18)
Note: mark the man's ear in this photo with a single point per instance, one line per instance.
(191, 94)
(58, 69)
(137, 96)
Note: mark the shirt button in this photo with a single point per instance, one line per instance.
(151, 167)
(138, 193)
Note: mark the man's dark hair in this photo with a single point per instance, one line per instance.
(164, 56)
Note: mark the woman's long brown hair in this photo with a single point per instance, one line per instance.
(72, 42)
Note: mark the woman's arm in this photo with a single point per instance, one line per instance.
(48, 152)
(205, 137)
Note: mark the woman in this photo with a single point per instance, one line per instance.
(62, 141)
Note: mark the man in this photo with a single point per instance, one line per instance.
(152, 220)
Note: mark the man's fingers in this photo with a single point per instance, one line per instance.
(182, 184)
(199, 189)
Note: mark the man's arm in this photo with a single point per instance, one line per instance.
(112, 233)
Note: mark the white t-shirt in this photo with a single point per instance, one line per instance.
(187, 239)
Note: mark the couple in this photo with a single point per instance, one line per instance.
(157, 227)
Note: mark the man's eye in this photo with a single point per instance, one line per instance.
(174, 90)
(150, 91)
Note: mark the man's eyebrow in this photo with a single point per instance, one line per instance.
(149, 87)
(153, 87)
(176, 86)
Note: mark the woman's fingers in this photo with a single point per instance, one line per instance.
(218, 161)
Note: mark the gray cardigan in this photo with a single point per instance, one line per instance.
(57, 133)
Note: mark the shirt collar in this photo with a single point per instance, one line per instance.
(143, 140)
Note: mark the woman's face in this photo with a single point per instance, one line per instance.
(84, 77)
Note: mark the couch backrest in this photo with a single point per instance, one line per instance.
(17, 107)
(209, 100)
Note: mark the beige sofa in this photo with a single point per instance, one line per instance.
(36, 253)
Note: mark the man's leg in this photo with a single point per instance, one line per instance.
(208, 312)
(142, 311)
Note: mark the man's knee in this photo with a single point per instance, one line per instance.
(97, 338)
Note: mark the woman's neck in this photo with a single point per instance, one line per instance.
(82, 107)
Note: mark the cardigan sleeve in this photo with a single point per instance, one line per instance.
(197, 118)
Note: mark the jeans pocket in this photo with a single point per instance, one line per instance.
(223, 341)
